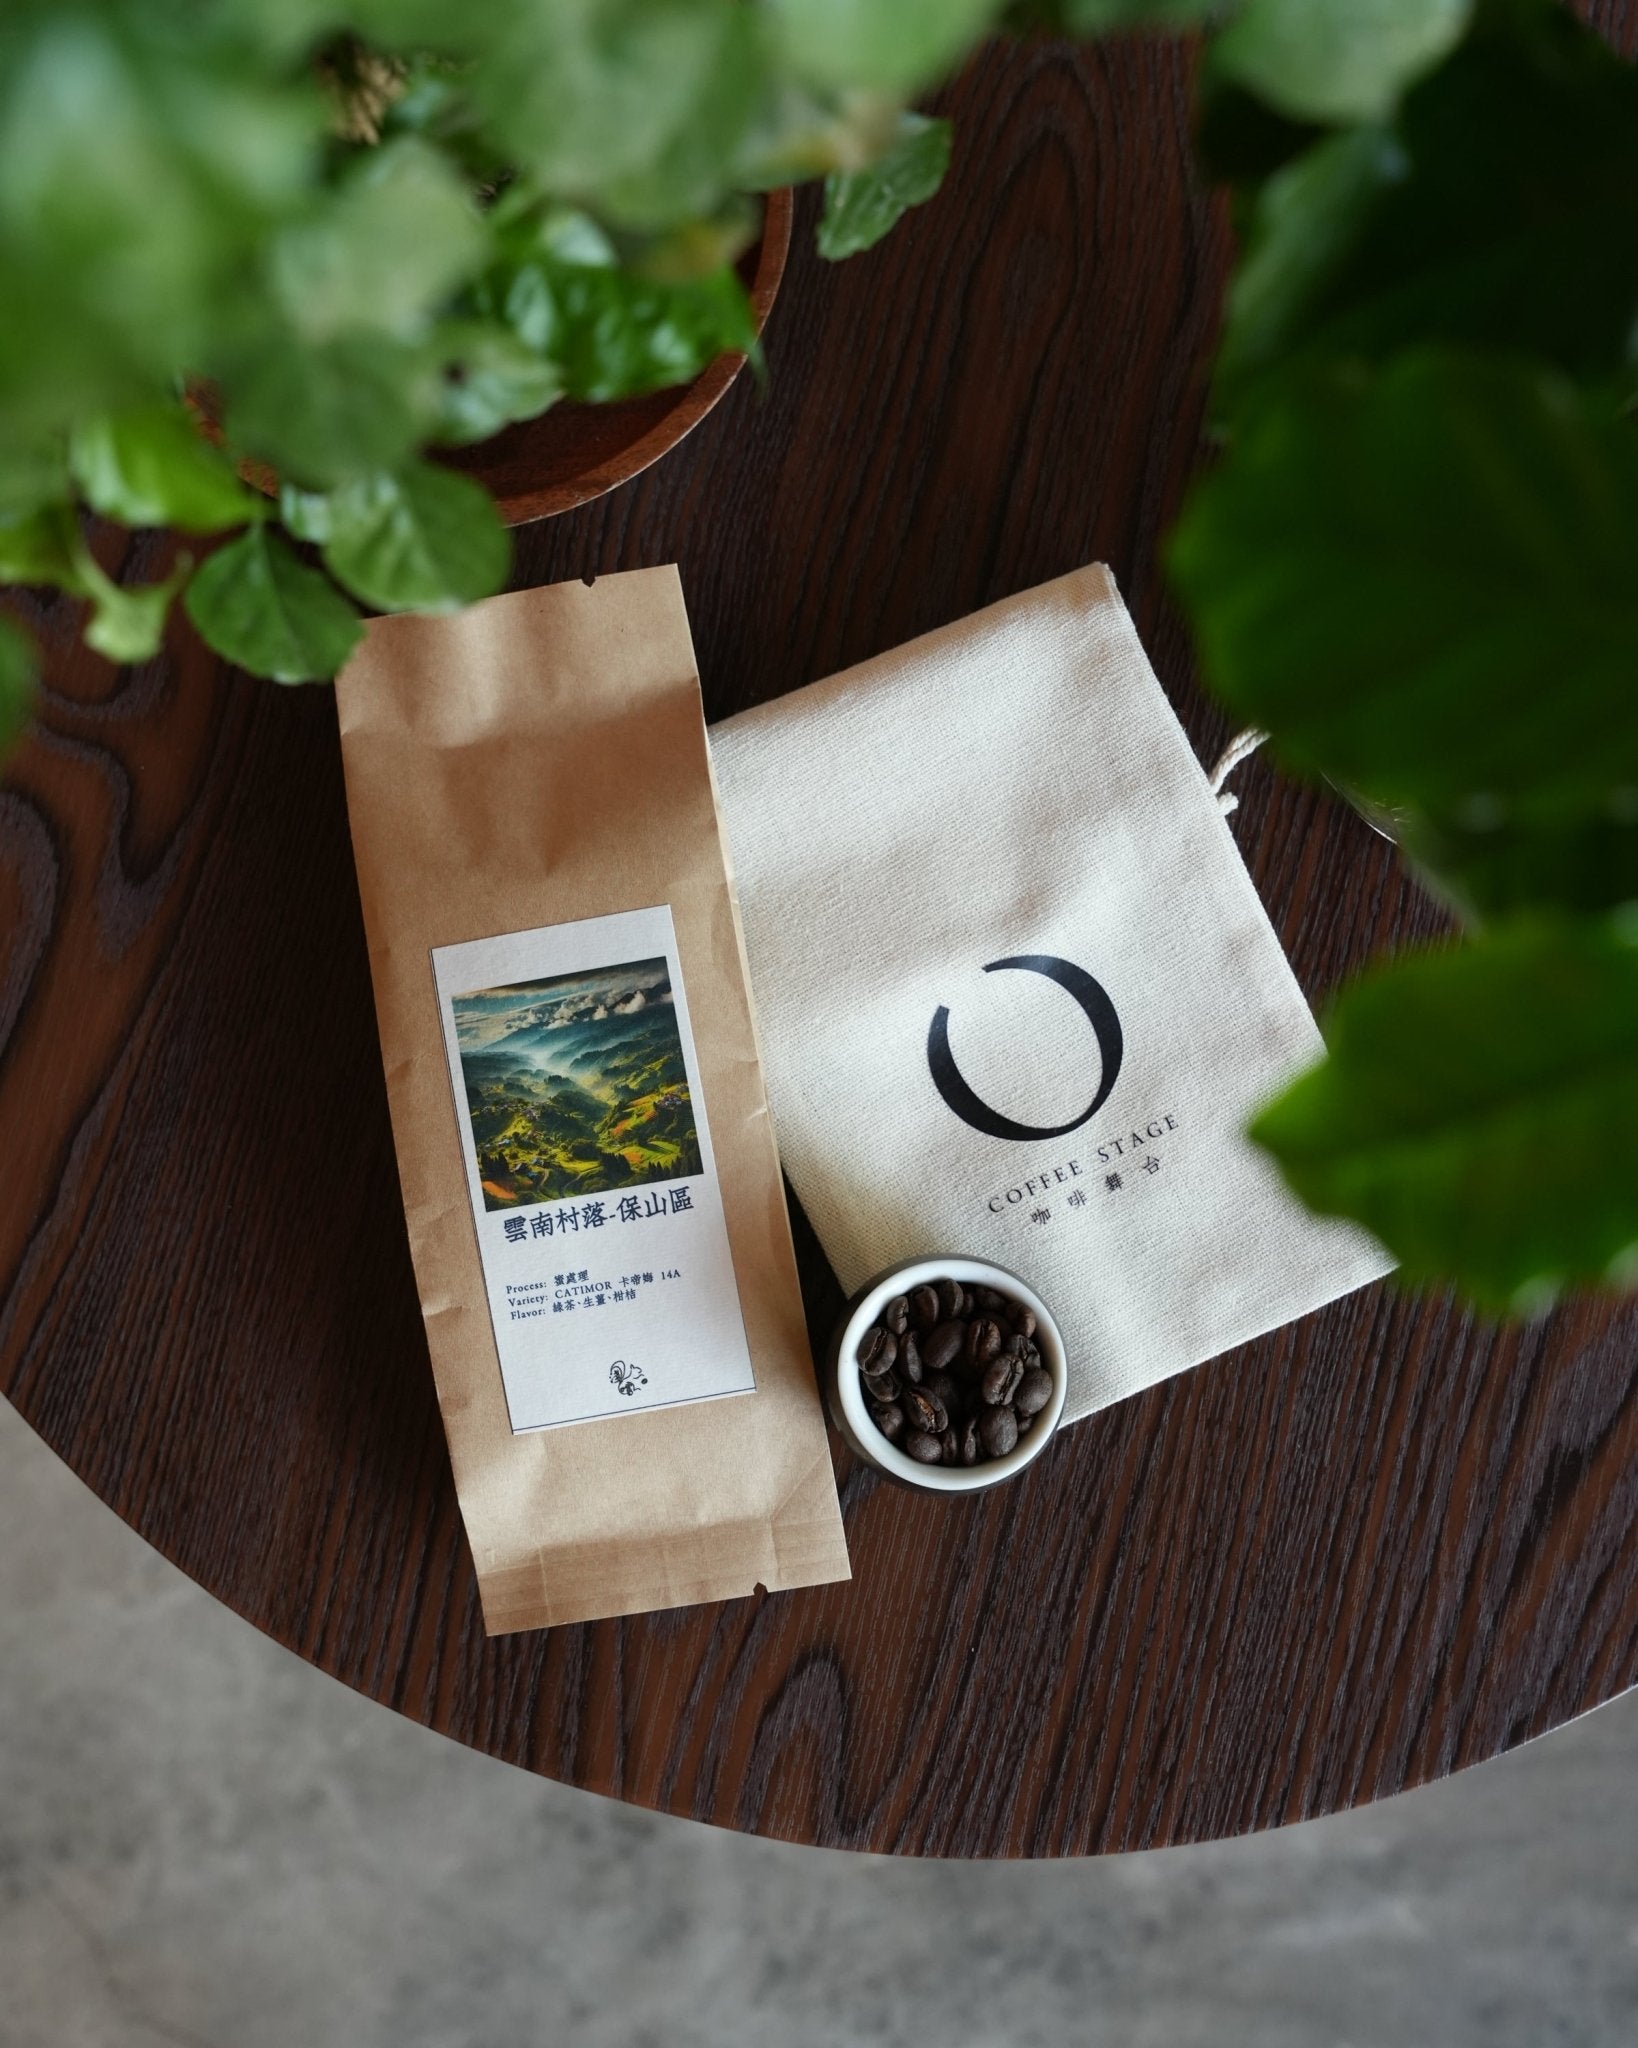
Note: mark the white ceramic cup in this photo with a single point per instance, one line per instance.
(847, 1396)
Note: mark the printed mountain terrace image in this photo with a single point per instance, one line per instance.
(576, 1085)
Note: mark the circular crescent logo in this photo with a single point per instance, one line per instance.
(972, 1108)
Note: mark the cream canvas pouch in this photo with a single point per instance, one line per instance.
(1016, 991)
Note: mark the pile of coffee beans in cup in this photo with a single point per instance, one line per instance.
(952, 1374)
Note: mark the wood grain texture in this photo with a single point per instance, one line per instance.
(1376, 1546)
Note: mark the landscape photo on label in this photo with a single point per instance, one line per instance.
(575, 1085)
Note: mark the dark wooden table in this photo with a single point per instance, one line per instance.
(1366, 1551)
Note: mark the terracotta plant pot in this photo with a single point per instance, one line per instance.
(573, 453)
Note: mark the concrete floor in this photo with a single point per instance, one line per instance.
(204, 1843)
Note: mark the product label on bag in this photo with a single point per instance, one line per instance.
(588, 1161)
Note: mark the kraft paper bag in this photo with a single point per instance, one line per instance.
(594, 1201)
(1017, 994)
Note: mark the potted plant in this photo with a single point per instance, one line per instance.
(282, 272)
(382, 229)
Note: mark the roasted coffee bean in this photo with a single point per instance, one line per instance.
(983, 1340)
(940, 1348)
(998, 1431)
(1034, 1392)
(877, 1350)
(925, 1411)
(942, 1388)
(1001, 1380)
(888, 1417)
(953, 1374)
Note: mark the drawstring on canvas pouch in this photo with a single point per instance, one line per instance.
(1240, 748)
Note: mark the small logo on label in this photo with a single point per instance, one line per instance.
(627, 1378)
(973, 1109)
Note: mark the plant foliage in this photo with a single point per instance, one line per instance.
(353, 232)
(1416, 564)
(345, 233)
(1479, 1110)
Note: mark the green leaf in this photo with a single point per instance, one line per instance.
(639, 104)
(414, 24)
(1500, 209)
(151, 466)
(1584, 857)
(1302, 235)
(491, 377)
(41, 549)
(804, 132)
(612, 333)
(125, 625)
(306, 514)
(128, 625)
(690, 171)
(896, 48)
(861, 206)
(422, 539)
(697, 248)
(255, 602)
(323, 414)
(19, 682)
(33, 473)
(1336, 60)
(146, 154)
(1479, 1112)
(381, 253)
(1424, 582)
(1099, 17)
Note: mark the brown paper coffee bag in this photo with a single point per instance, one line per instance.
(594, 1200)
